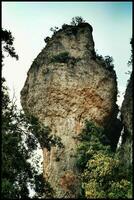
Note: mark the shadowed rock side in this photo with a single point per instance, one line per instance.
(127, 115)
(63, 93)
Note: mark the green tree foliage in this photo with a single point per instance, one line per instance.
(77, 20)
(131, 57)
(7, 44)
(102, 178)
(64, 57)
(65, 26)
(107, 61)
(130, 61)
(103, 173)
(41, 133)
(17, 172)
(47, 39)
(90, 138)
(61, 57)
(54, 30)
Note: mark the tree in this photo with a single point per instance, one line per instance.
(54, 30)
(77, 20)
(16, 172)
(131, 57)
(103, 174)
(7, 44)
(47, 39)
(13, 161)
(103, 178)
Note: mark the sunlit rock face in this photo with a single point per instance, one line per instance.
(63, 94)
(127, 120)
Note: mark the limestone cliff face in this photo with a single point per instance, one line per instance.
(127, 115)
(64, 93)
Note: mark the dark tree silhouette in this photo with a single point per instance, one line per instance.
(16, 171)
(77, 20)
(7, 44)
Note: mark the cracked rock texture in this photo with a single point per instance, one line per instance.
(64, 94)
(127, 117)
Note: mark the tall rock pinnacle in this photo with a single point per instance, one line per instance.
(66, 85)
(127, 120)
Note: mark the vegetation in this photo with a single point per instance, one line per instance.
(42, 133)
(7, 44)
(131, 57)
(61, 57)
(18, 142)
(17, 172)
(64, 26)
(64, 57)
(77, 20)
(54, 30)
(91, 140)
(103, 173)
(107, 61)
(47, 39)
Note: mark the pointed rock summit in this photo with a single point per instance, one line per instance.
(67, 84)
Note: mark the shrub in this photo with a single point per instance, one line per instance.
(103, 173)
(61, 57)
(77, 20)
(47, 39)
(64, 26)
(122, 188)
(92, 140)
(54, 30)
(42, 133)
(107, 61)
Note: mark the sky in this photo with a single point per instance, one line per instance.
(30, 23)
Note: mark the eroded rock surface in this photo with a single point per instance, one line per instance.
(127, 120)
(64, 94)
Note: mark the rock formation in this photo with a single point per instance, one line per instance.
(66, 85)
(127, 115)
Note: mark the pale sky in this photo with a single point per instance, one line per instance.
(30, 23)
